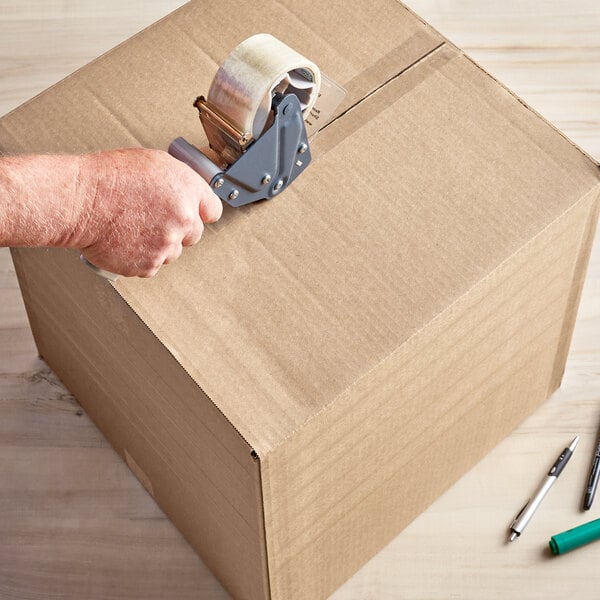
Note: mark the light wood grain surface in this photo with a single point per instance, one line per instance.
(74, 522)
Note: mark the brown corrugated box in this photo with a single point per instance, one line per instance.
(311, 376)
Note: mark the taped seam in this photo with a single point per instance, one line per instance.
(384, 84)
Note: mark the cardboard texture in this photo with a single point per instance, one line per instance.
(285, 390)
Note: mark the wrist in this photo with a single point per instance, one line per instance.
(81, 228)
(92, 197)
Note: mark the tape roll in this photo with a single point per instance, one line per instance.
(245, 83)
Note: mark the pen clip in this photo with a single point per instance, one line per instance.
(521, 512)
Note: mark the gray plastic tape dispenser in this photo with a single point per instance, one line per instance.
(254, 120)
(253, 117)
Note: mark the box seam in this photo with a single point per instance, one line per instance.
(387, 82)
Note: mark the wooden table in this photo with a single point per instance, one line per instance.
(74, 522)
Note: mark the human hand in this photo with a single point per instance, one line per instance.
(139, 208)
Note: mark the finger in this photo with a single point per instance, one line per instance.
(147, 273)
(211, 207)
(173, 254)
(148, 268)
(194, 233)
(99, 263)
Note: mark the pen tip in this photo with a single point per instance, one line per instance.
(574, 443)
(513, 536)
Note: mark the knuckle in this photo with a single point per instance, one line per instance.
(188, 175)
(168, 238)
(180, 213)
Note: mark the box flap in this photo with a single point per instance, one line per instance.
(432, 177)
(141, 92)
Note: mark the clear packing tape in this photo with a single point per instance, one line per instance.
(244, 85)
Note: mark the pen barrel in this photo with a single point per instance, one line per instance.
(592, 483)
(529, 509)
(593, 480)
(575, 538)
(525, 516)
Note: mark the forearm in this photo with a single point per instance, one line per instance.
(41, 201)
(129, 211)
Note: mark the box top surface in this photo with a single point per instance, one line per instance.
(431, 177)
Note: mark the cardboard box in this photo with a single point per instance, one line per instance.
(311, 376)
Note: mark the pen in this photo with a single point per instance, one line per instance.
(524, 516)
(592, 484)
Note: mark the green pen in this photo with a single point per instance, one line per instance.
(576, 537)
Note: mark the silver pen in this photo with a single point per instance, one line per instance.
(525, 514)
